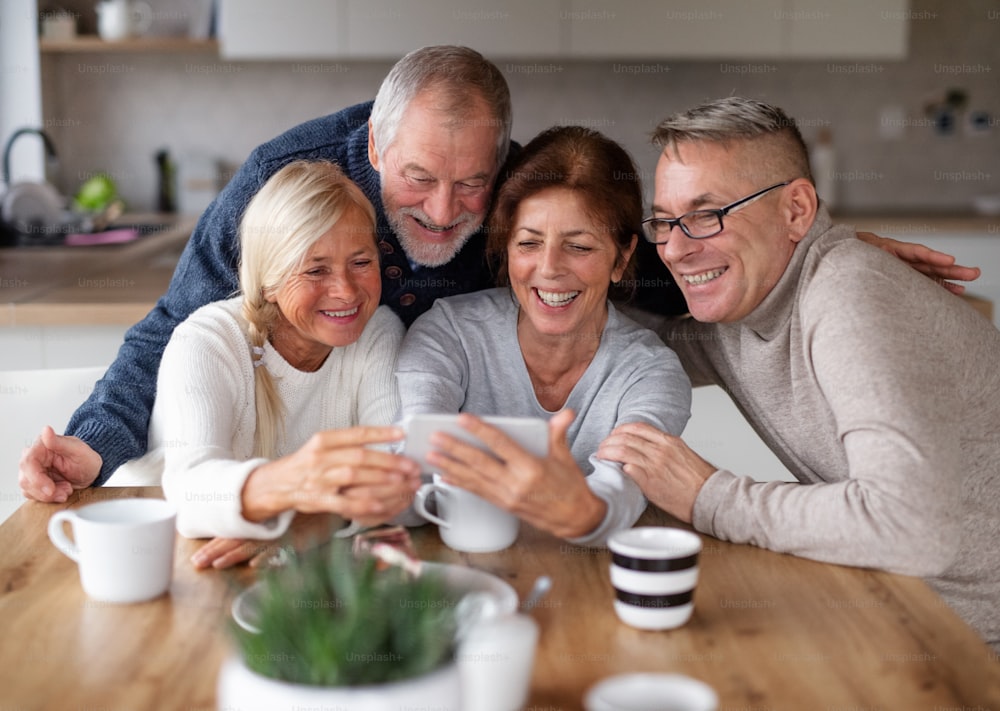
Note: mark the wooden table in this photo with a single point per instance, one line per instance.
(770, 632)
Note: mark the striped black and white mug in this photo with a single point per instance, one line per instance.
(654, 571)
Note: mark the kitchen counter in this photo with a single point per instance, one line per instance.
(915, 224)
(119, 284)
(93, 285)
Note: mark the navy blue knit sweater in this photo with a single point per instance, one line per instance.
(115, 419)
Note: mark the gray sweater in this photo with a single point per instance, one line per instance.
(880, 391)
(463, 356)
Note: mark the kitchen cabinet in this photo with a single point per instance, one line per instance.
(290, 29)
(847, 29)
(727, 29)
(385, 29)
(517, 28)
(67, 307)
(651, 29)
(566, 29)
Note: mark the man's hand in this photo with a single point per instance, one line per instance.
(669, 473)
(55, 466)
(938, 266)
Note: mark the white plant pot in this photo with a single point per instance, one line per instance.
(240, 688)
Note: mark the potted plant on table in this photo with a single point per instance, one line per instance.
(333, 631)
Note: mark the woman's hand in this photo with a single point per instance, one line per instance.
(221, 553)
(54, 466)
(306, 531)
(937, 265)
(669, 472)
(335, 472)
(549, 493)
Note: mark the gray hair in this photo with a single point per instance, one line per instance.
(454, 72)
(738, 119)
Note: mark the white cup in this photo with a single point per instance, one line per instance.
(467, 522)
(654, 571)
(120, 19)
(495, 661)
(651, 692)
(124, 547)
(58, 25)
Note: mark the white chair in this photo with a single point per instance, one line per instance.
(29, 400)
(720, 434)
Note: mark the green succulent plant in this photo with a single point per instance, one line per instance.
(328, 619)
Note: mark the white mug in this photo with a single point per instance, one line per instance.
(467, 522)
(120, 19)
(495, 661)
(654, 571)
(124, 547)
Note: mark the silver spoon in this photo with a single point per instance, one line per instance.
(539, 590)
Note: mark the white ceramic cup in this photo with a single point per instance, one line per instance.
(120, 19)
(124, 547)
(651, 692)
(495, 661)
(654, 571)
(467, 522)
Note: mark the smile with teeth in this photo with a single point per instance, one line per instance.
(433, 228)
(341, 314)
(702, 278)
(556, 298)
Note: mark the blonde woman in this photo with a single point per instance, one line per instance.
(268, 403)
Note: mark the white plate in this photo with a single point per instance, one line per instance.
(651, 692)
(456, 577)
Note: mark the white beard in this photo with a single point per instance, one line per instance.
(429, 254)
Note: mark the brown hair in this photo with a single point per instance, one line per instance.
(579, 159)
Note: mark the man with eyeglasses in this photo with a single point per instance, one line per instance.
(878, 389)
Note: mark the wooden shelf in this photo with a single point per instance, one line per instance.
(93, 43)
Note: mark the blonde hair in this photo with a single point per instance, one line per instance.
(295, 207)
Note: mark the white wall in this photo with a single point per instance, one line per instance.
(21, 86)
(720, 435)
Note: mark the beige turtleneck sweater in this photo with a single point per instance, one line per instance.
(880, 391)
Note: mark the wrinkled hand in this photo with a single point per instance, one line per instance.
(221, 553)
(306, 531)
(54, 466)
(550, 493)
(669, 472)
(335, 472)
(937, 265)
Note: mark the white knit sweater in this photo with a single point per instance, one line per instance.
(201, 434)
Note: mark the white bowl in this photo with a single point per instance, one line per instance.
(651, 692)
(457, 577)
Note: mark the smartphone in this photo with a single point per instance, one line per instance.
(532, 433)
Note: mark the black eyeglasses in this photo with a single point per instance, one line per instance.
(699, 224)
